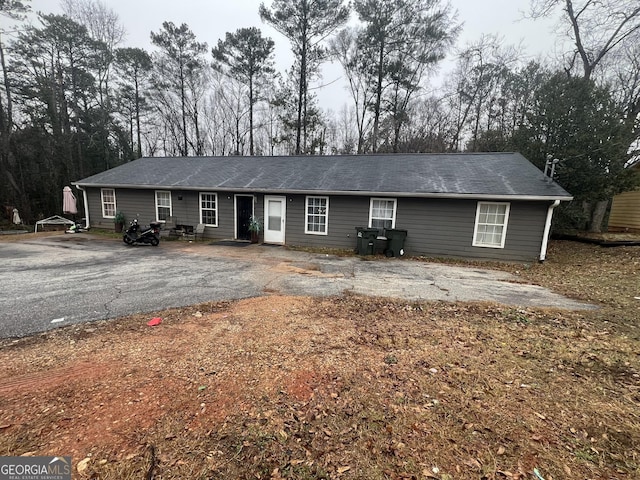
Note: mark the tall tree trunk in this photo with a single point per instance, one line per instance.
(196, 124)
(237, 152)
(183, 100)
(301, 96)
(378, 104)
(397, 118)
(305, 120)
(584, 56)
(139, 150)
(251, 101)
(6, 129)
(597, 216)
(361, 120)
(586, 214)
(76, 118)
(131, 139)
(5, 76)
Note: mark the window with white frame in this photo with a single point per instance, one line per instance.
(382, 213)
(163, 205)
(491, 224)
(108, 202)
(209, 209)
(317, 215)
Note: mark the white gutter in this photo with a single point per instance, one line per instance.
(547, 230)
(86, 206)
(355, 193)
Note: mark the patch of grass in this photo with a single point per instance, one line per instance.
(519, 316)
(390, 360)
(586, 455)
(103, 232)
(337, 252)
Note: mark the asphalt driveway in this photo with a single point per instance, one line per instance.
(66, 279)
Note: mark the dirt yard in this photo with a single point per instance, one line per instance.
(351, 387)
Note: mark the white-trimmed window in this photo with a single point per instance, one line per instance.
(317, 215)
(382, 213)
(108, 202)
(491, 224)
(209, 209)
(163, 205)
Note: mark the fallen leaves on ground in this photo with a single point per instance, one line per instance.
(344, 387)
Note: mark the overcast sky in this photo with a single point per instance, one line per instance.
(211, 19)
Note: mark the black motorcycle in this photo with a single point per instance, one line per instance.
(137, 234)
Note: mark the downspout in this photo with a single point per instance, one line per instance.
(547, 231)
(86, 206)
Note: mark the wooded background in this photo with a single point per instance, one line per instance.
(76, 101)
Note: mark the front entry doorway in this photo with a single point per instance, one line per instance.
(274, 219)
(244, 211)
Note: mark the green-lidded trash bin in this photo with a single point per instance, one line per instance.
(396, 238)
(366, 240)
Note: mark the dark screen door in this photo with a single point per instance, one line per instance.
(244, 210)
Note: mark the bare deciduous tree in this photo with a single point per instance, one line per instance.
(306, 23)
(180, 72)
(596, 28)
(248, 58)
(603, 32)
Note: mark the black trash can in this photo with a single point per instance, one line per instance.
(382, 244)
(366, 240)
(396, 238)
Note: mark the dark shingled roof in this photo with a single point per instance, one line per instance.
(480, 175)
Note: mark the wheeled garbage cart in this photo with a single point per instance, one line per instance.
(366, 240)
(396, 239)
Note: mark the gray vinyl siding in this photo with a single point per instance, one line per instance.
(345, 213)
(185, 207)
(140, 203)
(436, 227)
(443, 227)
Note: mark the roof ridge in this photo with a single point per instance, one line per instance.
(376, 154)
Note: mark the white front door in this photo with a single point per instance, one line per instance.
(274, 215)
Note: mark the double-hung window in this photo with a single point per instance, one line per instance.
(108, 196)
(209, 209)
(317, 215)
(163, 205)
(491, 224)
(382, 213)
